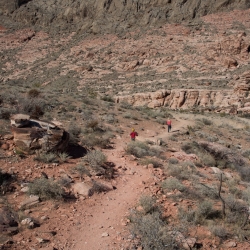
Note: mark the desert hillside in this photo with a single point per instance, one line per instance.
(77, 77)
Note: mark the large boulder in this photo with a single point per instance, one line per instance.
(31, 134)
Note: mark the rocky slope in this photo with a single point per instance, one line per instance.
(111, 15)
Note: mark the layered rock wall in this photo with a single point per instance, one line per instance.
(183, 99)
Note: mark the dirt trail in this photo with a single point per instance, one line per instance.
(102, 223)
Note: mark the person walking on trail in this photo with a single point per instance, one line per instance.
(133, 134)
(169, 124)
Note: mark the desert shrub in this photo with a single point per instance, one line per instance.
(5, 180)
(5, 114)
(204, 209)
(207, 160)
(107, 98)
(246, 194)
(206, 121)
(246, 154)
(63, 156)
(141, 149)
(93, 124)
(138, 149)
(233, 188)
(146, 161)
(126, 105)
(45, 189)
(244, 172)
(99, 187)
(46, 157)
(65, 182)
(35, 107)
(187, 215)
(33, 93)
(110, 118)
(171, 184)
(190, 147)
(173, 161)
(128, 115)
(82, 170)
(74, 130)
(151, 231)
(180, 172)
(219, 231)
(188, 164)
(102, 141)
(87, 114)
(173, 138)
(221, 163)
(148, 203)
(207, 191)
(96, 158)
(160, 121)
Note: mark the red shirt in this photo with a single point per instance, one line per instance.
(169, 122)
(133, 134)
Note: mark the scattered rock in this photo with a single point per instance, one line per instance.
(31, 201)
(105, 234)
(82, 188)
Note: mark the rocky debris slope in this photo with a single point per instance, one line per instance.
(201, 63)
(30, 134)
(109, 16)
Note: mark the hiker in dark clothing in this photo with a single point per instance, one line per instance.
(133, 134)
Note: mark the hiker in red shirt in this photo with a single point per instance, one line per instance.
(169, 123)
(133, 134)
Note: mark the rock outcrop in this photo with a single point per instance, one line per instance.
(30, 134)
(111, 15)
(221, 100)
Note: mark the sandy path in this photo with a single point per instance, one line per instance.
(107, 212)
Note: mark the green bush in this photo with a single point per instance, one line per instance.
(45, 189)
